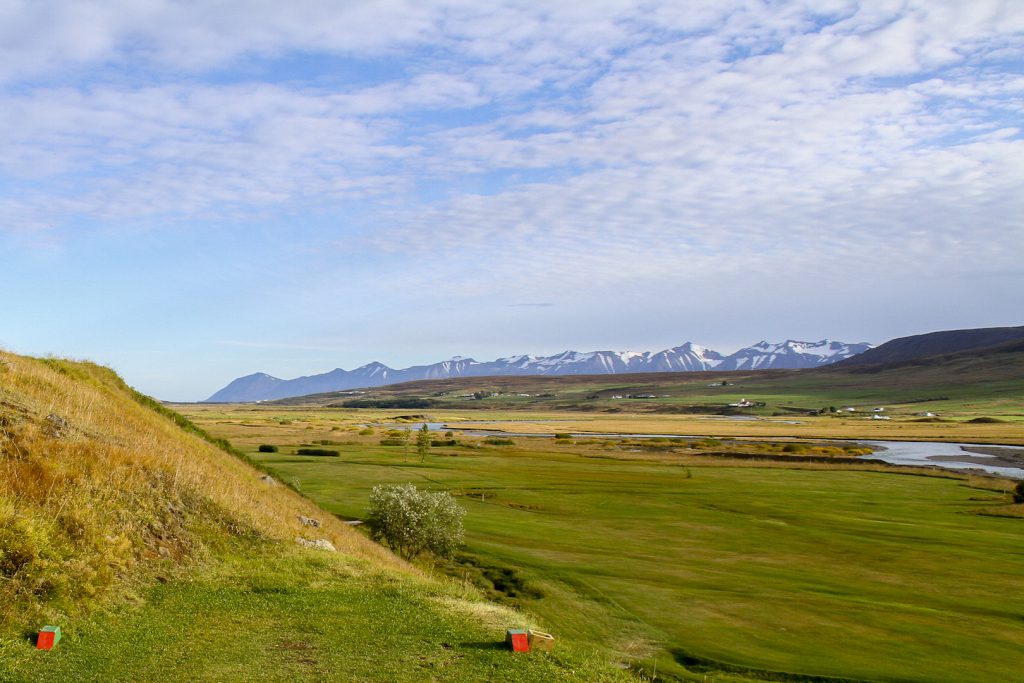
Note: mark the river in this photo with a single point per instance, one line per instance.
(954, 456)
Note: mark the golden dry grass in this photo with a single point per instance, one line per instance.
(299, 424)
(95, 487)
(802, 427)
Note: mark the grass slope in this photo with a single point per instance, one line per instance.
(164, 557)
(719, 566)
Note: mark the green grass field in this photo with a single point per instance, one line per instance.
(164, 556)
(263, 613)
(819, 572)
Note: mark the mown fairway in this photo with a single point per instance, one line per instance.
(856, 574)
(263, 613)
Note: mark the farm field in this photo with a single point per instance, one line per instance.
(715, 565)
(241, 420)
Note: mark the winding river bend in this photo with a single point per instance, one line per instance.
(1004, 460)
(1007, 461)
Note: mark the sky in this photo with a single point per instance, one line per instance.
(195, 191)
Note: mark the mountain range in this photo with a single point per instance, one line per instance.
(688, 357)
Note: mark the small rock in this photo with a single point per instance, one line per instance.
(320, 543)
(57, 426)
(309, 521)
(268, 480)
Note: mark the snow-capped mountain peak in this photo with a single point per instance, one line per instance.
(687, 357)
(791, 354)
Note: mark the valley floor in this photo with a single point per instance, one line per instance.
(703, 564)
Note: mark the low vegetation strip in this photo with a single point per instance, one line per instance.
(316, 451)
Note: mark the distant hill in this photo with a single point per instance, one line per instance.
(916, 347)
(688, 357)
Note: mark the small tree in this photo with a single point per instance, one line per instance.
(411, 522)
(1018, 493)
(423, 441)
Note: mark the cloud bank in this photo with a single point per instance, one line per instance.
(596, 156)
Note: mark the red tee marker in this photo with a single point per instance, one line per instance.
(48, 637)
(517, 640)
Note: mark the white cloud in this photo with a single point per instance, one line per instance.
(582, 148)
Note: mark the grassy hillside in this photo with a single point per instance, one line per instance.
(164, 557)
(802, 572)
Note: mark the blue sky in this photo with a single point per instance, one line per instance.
(190, 191)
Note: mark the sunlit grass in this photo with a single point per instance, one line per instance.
(93, 484)
(828, 569)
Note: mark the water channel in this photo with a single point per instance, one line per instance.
(990, 458)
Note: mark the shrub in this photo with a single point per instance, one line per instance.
(494, 441)
(267, 448)
(1018, 493)
(389, 403)
(316, 451)
(392, 441)
(563, 435)
(411, 522)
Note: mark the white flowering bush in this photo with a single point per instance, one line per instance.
(411, 521)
